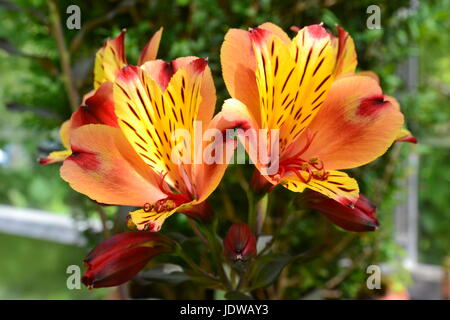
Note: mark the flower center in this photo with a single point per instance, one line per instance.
(305, 170)
(169, 203)
(172, 201)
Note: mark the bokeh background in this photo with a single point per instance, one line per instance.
(410, 184)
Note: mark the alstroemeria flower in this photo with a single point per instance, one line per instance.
(133, 164)
(328, 117)
(98, 106)
(119, 258)
(360, 218)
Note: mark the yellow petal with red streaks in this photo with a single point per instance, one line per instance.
(151, 220)
(338, 186)
(105, 167)
(293, 80)
(162, 72)
(149, 116)
(109, 60)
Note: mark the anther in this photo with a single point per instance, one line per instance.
(148, 207)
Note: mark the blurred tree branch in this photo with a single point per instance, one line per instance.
(64, 55)
(122, 7)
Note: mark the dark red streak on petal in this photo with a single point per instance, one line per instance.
(85, 159)
(370, 106)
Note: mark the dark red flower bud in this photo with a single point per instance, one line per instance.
(360, 218)
(119, 258)
(239, 243)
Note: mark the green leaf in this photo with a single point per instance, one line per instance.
(266, 269)
(166, 273)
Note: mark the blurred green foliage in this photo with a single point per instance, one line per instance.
(33, 103)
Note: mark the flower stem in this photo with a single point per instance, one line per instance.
(215, 248)
(261, 212)
(251, 210)
(181, 253)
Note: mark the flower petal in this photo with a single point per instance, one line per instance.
(162, 72)
(149, 117)
(236, 115)
(150, 51)
(346, 59)
(356, 125)
(338, 186)
(239, 65)
(152, 220)
(216, 151)
(97, 109)
(293, 80)
(238, 69)
(104, 167)
(58, 156)
(404, 135)
(109, 60)
(276, 30)
(55, 156)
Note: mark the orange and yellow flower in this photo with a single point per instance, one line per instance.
(328, 117)
(98, 106)
(133, 164)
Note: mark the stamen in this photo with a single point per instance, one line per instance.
(169, 203)
(313, 168)
(148, 207)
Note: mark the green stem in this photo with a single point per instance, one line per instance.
(261, 212)
(181, 253)
(251, 210)
(215, 248)
(279, 228)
